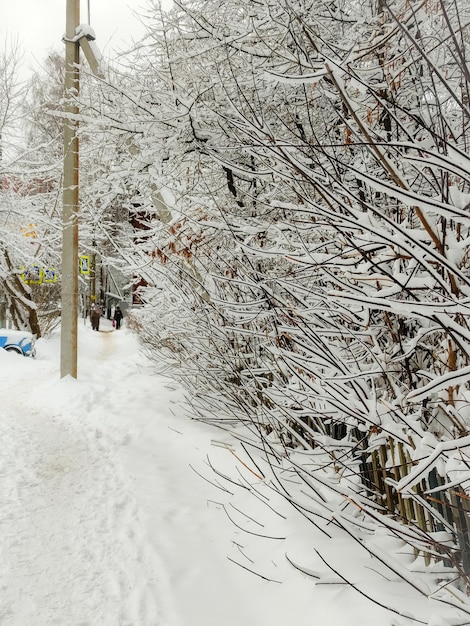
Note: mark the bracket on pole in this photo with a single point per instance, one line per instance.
(85, 36)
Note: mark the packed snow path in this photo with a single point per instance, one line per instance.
(72, 548)
(103, 521)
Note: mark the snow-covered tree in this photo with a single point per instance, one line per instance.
(17, 206)
(301, 171)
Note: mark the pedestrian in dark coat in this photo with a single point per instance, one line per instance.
(118, 317)
(95, 318)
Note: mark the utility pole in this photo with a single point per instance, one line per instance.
(69, 313)
(76, 37)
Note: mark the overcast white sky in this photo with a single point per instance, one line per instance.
(40, 24)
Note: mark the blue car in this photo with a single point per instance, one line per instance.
(19, 341)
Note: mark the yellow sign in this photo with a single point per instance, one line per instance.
(32, 275)
(50, 275)
(84, 264)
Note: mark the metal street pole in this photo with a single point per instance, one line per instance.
(69, 323)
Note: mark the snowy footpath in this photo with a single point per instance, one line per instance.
(72, 546)
(104, 518)
(110, 514)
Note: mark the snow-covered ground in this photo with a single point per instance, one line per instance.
(111, 516)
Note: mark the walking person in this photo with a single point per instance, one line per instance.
(95, 317)
(118, 317)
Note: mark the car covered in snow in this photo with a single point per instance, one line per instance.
(19, 341)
